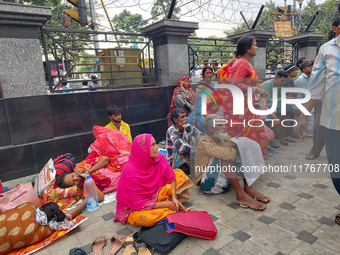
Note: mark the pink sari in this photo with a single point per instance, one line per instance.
(141, 179)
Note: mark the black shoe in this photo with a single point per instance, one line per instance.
(273, 143)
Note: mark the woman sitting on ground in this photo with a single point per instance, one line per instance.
(183, 96)
(27, 224)
(149, 189)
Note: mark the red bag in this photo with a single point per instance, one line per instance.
(64, 164)
(192, 223)
(22, 193)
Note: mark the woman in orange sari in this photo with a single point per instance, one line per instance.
(241, 73)
(148, 188)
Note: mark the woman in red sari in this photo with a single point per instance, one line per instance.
(242, 74)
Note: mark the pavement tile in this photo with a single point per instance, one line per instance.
(87, 248)
(188, 246)
(304, 236)
(235, 247)
(213, 217)
(234, 205)
(224, 236)
(304, 195)
(273, 185)
(290, 177)
(279, 253)
(265, 219)
(328, 236)
(187, 204)
(125, 231)
(296, 221)
(108, 216)
(327, 221)
(287, 206)
(211, 251)
(242, 236)
(320, 186)
(338, 207)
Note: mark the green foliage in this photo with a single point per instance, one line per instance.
(128, 22)
(157, 10)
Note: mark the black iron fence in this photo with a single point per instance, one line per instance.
(113, 60)
(209, 51)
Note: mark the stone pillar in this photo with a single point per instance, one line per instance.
(171, 48)
(21, 66)
(260, 60)
(307, 44)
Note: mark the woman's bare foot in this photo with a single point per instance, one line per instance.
(257, 195)
(250, 202)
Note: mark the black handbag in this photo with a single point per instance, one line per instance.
(157, 239)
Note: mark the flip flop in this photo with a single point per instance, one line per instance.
(142, 249)
(283, 142)
(289, 139)
(310, 156)
(246, 206)
(129, 247)
(98, 244)
(117, 243)
(337, 219)
(77, 251)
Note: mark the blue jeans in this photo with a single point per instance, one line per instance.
(332, 140)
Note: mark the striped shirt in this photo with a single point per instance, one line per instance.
(176, 141)
(326, 78)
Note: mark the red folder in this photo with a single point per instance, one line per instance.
(193, 223)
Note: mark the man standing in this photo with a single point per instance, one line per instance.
(179, 140)
(115, 115)
(325, 85)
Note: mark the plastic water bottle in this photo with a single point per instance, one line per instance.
(91, 196)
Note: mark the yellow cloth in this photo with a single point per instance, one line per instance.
(208, 148)
(124, 127)
(149, 218)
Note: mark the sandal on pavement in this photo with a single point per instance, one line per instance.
(77, 251)
(337, 219)
(310, 156)
(117, 243)
(142, 249)
(289, 139)
(129, 247)
(283, 142)
(98, 244)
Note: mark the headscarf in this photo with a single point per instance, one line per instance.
(177, 91)
(109, 142)
(141, 179)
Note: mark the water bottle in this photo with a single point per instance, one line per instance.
(91, 196)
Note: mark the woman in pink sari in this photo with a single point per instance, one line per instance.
(149, 189)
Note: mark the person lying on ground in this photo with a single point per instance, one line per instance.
(149, 189)
(105, 180)
(27, 224)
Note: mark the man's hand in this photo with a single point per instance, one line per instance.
(261, 92)
(230, 144)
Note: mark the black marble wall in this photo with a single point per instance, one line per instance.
(35, 129)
